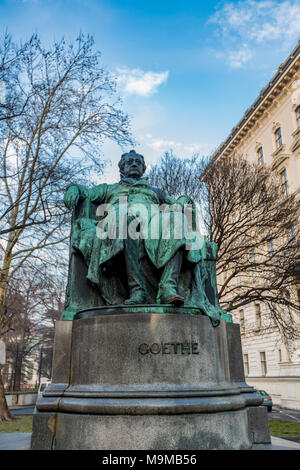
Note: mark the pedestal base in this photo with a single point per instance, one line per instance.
(151, 381)
(224, 430)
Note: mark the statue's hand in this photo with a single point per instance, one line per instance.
(71, 197)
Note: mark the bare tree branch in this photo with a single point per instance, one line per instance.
(255, 225)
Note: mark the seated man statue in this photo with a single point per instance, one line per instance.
(139, 246)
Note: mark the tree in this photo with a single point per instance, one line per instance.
(178, 176)
(34, 303)
(10, 60)
(59, 108)
(246, 212)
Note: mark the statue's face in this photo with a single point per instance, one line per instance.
(133, 166)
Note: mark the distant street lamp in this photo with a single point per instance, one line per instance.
(2, 353)
(40, 367)
(15, 367)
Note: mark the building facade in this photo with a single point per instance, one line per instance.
(269, 134)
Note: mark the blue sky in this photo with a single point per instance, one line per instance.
(187, 71)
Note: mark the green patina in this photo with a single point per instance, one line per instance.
(138, 274)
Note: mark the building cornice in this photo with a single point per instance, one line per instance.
(266, 98)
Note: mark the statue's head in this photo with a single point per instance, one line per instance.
(132, 165)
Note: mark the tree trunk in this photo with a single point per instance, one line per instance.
(18, 368)
(6, 263)
(5, 414)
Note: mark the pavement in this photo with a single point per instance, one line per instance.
(21, 441)
(284, 414)
(278, 443)
(15, 441)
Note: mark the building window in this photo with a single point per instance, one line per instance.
(284, 183)
(253, 260)
(298, 116)
(292, 233)
(278, 137)
(263, 363)
(246, 365)
(271, 247)
(242, 320)
(257, 316)
(266, 200)
(279, 355)
(260, 156)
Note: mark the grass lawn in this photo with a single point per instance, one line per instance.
(283, 428)
(21, 424)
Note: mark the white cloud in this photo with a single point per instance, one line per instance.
(139, 82)
(255, 23)
(282, 22)
(161, 145)
(239, 57)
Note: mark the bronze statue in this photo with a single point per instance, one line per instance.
(119, 231)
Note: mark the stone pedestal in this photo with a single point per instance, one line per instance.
(136, 378)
